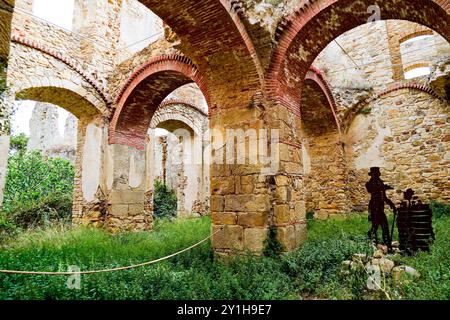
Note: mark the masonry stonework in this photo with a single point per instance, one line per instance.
(323, 93)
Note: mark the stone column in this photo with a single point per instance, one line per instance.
(128, 200)
(91, 173)
(288, 195)
(6, 11)
(248, 199)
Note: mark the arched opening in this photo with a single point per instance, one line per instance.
(387, 122)
(59, 151)
(145, 90)
(322, 152)
(306, 33)
(178, 139)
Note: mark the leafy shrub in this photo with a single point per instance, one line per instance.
(164, 201)
(38, 189)
(440, 209)
(318, 262)
(18, 143)
(273, 248)
(52, 208)
(7, 228)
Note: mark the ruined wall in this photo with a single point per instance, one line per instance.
(407, 135)
(325, 175)
(139, 27)
(45, 135)
(366, 62)
(180, 156)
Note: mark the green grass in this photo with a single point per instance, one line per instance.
(310, 272)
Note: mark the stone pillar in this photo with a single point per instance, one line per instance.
(248, 199)
(326, 174)
(91, 173)
(128, 200)
(6, 11)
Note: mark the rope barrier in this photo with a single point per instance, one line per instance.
(69, 273)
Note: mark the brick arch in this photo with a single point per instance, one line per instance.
(178, 110)
(68, 61)
(75, 99)
(144, 91)
(306, 32)
(214, 36)
(354, 110)
(318, 87)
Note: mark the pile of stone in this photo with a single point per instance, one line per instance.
(380, 263)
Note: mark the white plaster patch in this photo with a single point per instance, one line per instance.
(109, 166)
(306, 160)
(90, 174)
(373, 156)
(137, 168)
(4, 149)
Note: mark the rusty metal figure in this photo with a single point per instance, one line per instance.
(377, 189)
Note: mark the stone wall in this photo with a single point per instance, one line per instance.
(368, 62)
(251, 60)
(180, 156)
(407, 135)
(45, 135)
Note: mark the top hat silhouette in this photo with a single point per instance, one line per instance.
(374, 171)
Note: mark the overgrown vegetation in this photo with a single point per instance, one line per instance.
(3, 86)
(18, 144)
(38, 190)
(272, 247)
(164, 201)
(311, 272)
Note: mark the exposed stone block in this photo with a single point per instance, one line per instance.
(231, 237)
(126, 197)
(254, 239)
(253, 219)
(221, 218)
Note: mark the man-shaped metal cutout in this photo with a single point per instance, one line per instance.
(377, 189)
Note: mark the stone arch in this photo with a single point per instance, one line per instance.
(396, 136)
(144, 91)
(188, 175)
(322, 152)
(169, 110)
(88, 160)
(216, 30)
(59, 71)
(353, 111)
(306, 32)
(318, 91)
(64, 94)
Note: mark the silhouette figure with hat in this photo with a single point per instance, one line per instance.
(377, 189)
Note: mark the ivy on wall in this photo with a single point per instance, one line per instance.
(2, 76)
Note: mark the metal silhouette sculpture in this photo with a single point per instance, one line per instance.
(415, 224)
(378, 198)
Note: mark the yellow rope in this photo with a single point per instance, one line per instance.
(48, 273)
